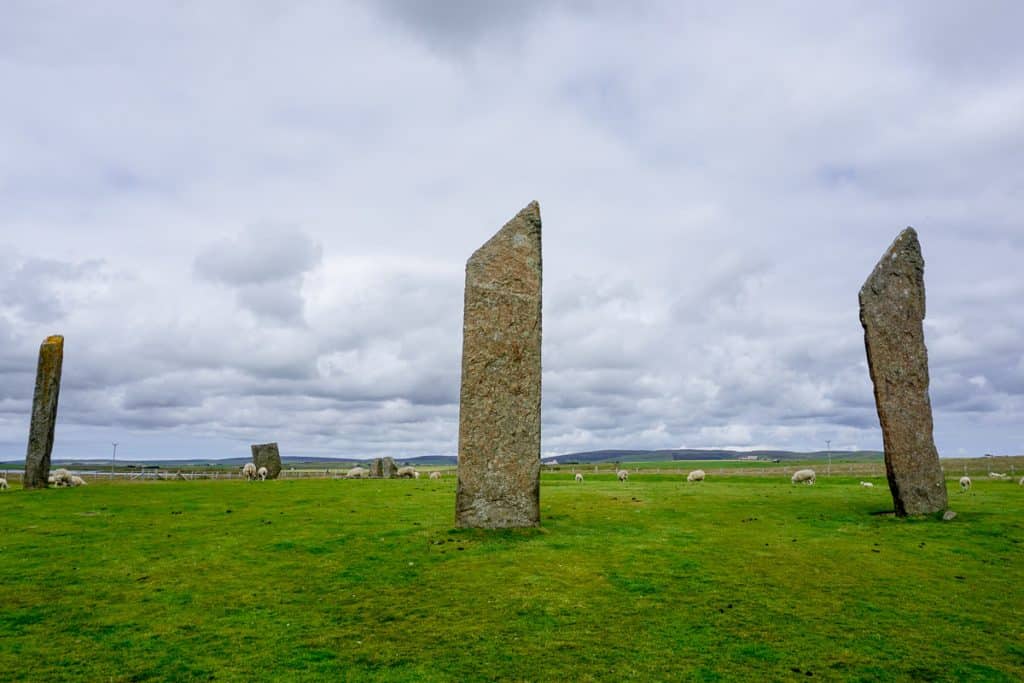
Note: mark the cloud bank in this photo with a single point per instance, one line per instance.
(251, 223)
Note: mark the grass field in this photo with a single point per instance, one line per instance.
(654, 579)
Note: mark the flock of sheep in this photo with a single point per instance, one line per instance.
(965, 481)
(402, 473)
(62, 478)
(808, 476)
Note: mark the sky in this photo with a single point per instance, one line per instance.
(250, 220)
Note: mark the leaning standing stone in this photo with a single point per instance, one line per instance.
(892, 308)
(499, 414)
(44, 413)
(267, 455)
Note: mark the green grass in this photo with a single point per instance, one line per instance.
(654, 579)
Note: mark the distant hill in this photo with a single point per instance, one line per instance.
(611, 455)
(710, 454)
(297, 461)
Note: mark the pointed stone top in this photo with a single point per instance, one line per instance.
(531, 211)
(511, 259)
(902, 258)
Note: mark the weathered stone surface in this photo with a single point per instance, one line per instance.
(499, 415)
(44, 413)
(383, 468)
(892, 308)
(267, 455)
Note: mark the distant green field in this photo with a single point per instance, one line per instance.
(653, 579)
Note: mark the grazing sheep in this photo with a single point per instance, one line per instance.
(805, 476)
(579, 478)
(1021, 482)
(416, 474)
(77, 481)
(867, 484)
(249, 471)
(406, 472)
(965, 483)
(3, 484)
(357, 473)
(996, 475)
(262, 473)
(696, 475)
(623, 475)
(435, 475)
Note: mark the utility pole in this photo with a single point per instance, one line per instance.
(113, 460)
(828, 447)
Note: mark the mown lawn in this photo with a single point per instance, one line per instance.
(654, 579)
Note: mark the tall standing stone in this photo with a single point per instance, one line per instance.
(267, 455)
(892, 308)
(44, 413)
(499, 409)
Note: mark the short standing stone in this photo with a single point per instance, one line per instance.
(44, 413)
(376, 468)
(388, 468)
(892, 308)
(499, 414)
(267, 455)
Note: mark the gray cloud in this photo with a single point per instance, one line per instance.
(258, 256)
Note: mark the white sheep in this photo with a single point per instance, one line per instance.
(249, 471)
(3, 484)
(579, 478)
(416, 474)
(357, 473)
(77, 481)
(965, 483)
(623, 475)
(996, 475)
(867, 484)
(696, 475)
(1021, 482)
(805, 476)
(262, 473)
(61, 477)
(435, 475)
(406, 472)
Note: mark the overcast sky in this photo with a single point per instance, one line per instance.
(250, 220)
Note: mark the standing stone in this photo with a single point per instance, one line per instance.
(499, 410)
(44, 413)
(267, 455)
(376, 468)
(388, 468)
(892, 310)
